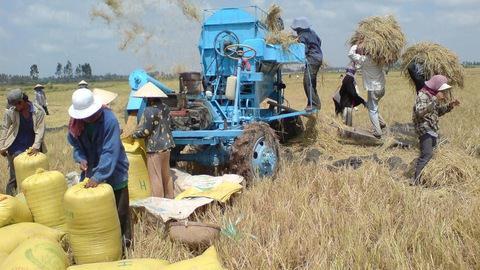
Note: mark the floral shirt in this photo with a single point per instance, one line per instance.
(155, 128)
(426, 113)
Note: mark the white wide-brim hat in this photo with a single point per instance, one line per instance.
(105, 96)
(300, 23)
(82, 82)
(84, 104)
(149, 90)
(38, 86)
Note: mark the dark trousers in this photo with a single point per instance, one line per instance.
(46, 110)
(11, 187)
(123, 209)
(427, 143)
(310, 84)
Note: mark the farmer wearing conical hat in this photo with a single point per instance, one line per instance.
(155, 129)
(314, 56)
(82, 84)
(94, 133)
(106, 97)
(23, 127)
(374, 82)
(40, 97)
(429, 106)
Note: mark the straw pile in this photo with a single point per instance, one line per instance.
(276, 34)
(451, 167)
(382, 38)
(435, 59)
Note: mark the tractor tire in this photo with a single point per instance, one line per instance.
(255, 154)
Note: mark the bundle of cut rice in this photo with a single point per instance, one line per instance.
(276, 34)
(435, 59)
(382, 38)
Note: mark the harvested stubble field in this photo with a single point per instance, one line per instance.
(313, 217)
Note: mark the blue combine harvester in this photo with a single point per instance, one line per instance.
(230, 112)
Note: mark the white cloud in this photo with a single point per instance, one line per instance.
(41, 15)
(4, 34)
(49, 48)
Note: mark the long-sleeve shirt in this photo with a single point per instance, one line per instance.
(313, 44)
(372, 73)
(426, 113)
(41, 98)
(99, 144)
(155, 128)
(10, 127)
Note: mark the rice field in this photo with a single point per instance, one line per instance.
(315, 216)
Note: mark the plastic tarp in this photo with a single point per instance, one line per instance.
(167, 209)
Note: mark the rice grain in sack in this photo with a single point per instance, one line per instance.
(13, 210)
(138, 179)
(26, 165)
(207, 261)
(36, 254)
(12, 235)
(44, 192)
(132, 264)
(92, 223)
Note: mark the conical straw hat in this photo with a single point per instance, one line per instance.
(105, 96)
(149, 90)
(38, 86)
(82, 82)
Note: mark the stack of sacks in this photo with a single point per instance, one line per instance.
(138, 179)
(92, 223)
(36, 254)
(13, 236)
(132, 264)
(44, 192)
(26, 165)
(207, 261)
(13, 210)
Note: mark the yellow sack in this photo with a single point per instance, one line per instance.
(132, 264)
(3, 256)
(221, 192)
(92, 223)
(36, 254)
(207, 261)
(44, 192)
(138, 179)
(21, 197)
(12, 210)
(12, 235)
(26, 165)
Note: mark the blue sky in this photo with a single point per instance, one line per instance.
(49, 31)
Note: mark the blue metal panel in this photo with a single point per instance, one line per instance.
(294, 54)
(230, 133)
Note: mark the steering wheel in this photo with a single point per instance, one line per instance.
(238, 51)
(223, 39)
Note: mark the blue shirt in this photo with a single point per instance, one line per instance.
(313, 44)
(25, 137)
(103, 151)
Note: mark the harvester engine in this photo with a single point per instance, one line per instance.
(195, 117)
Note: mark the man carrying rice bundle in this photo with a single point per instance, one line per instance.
(429, 106)
(374, 82)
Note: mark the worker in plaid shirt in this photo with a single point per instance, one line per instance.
(426, 112)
